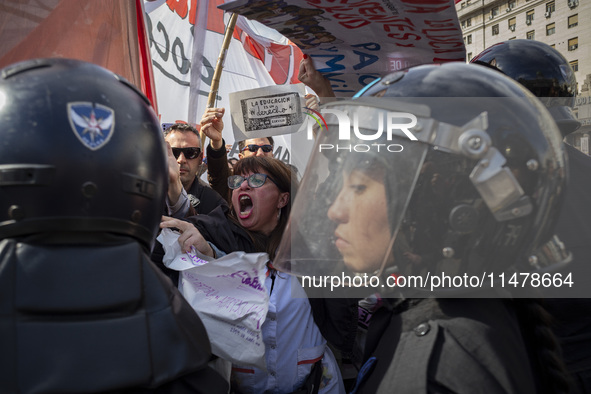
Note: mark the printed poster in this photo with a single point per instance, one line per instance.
(268, 111)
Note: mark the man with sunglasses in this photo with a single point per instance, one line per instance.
(184, 165)
(217, 158)
(256, 147)
(187, 194)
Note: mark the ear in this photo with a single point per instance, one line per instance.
(283, 200)
(240, 156)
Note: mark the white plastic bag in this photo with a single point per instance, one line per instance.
(229, 296)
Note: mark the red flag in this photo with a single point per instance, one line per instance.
(106, 33)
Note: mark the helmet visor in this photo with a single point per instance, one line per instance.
(354, 194)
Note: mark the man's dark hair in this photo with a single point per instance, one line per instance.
(182, 127)
(242, 144)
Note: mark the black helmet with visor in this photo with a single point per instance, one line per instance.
(541, 69)
(82, 150)
(437, 170)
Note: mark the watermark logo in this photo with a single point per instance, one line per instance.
(366, 125)
(317, 118)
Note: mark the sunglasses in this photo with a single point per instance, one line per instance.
(254, 148)
(189, 153)
(254, 181)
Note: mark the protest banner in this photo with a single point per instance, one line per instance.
(353, 43)
(185, 39)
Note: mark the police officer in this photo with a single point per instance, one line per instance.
(83, 179)
(548, 75)
(446, 171)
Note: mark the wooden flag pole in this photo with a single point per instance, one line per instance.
(215, 82)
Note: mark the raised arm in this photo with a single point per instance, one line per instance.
(212, 125)
(314, 79)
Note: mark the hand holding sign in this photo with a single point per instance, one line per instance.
(314, 79)
(212, 125)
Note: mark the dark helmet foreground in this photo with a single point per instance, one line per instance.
(463, 167)
(81, 150)
(541, 69)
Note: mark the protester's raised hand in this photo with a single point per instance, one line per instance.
(212, 125)
(312, 102)
(190, 236)
(314, 79)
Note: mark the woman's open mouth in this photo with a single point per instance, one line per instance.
(245, 206)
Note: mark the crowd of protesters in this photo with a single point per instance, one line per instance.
(88, 305)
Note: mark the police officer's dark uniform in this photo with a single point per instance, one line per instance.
(418, 345)
(548, 75)
(82, 181)
(502, 176)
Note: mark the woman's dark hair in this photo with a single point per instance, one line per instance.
(285, 180)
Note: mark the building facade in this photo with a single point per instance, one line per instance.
(562, 24)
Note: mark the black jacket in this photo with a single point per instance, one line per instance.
(573, 315)
(446, 346)
(218, 170)
(96, 315)
(228, 236)
(208, 198)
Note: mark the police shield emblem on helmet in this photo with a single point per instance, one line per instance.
(92, 123)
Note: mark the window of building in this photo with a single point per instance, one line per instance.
(510, 5)
(469, 39)
(495, 30)
(550, 29)
(530, 35)
(573, 20)
(512, 23)
(573, 43)
(463, 5)
(469, 22)
(463, 24)
(494, 12)
(469, 56)
(550, 7)
(529, 17)
(574, 65)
